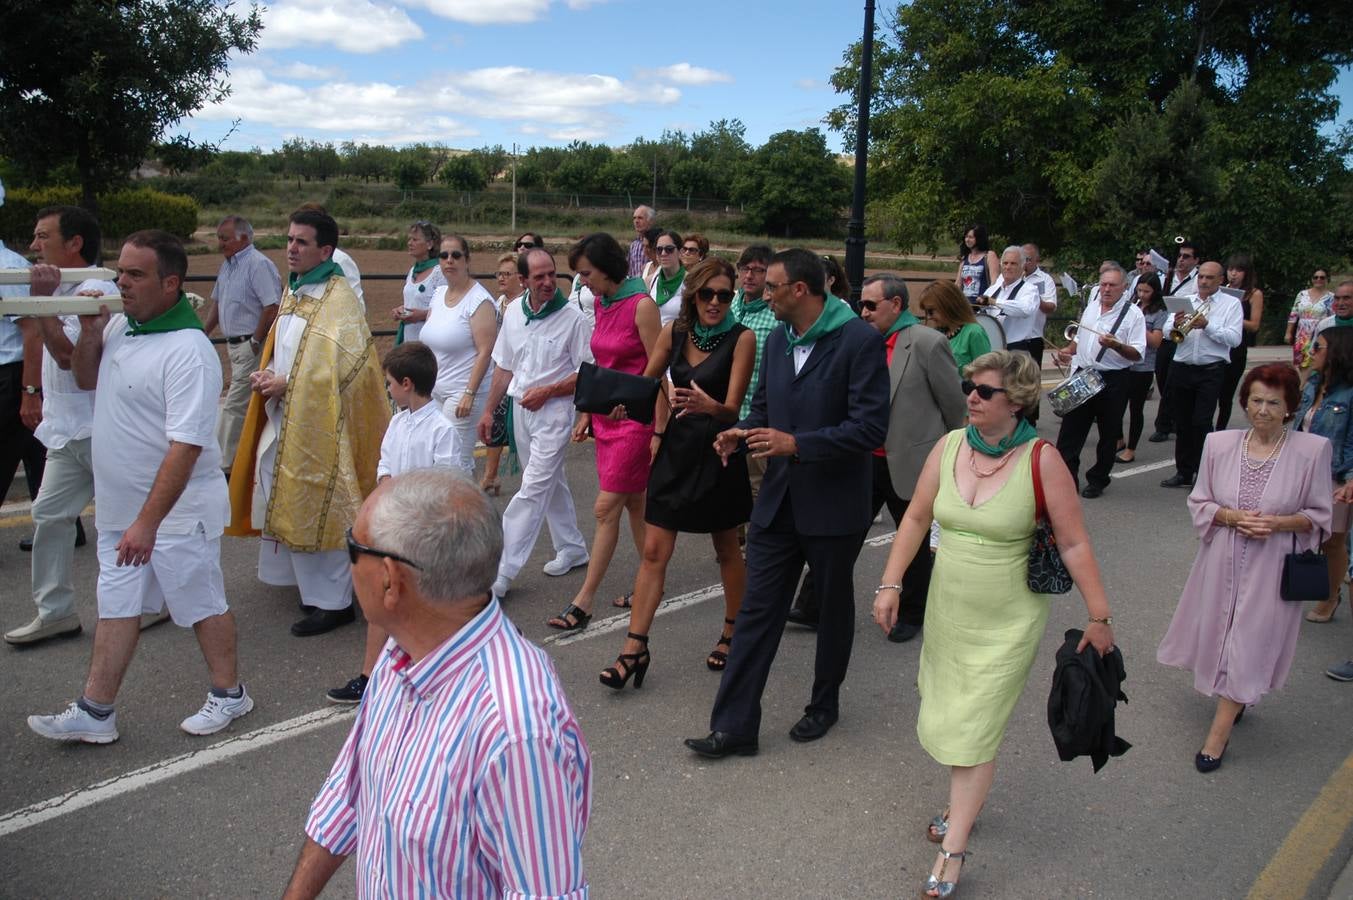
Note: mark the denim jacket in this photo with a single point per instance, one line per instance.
(1332, 420)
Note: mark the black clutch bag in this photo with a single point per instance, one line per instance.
(1305, 576)
(600, 390)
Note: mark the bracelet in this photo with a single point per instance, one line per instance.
(659, 433)
(1106, 620)
(887, 587)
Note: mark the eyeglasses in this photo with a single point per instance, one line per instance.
(1320, 278)
(985, 391)
(508, 274)
(355, 550)
(870, 305)
(452, 254)
(665, 249)
(752, 270)
(772, 287)
(707, 294)
(690, 249)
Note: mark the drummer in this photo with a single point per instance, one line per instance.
(1111, 337)
(1017, 299)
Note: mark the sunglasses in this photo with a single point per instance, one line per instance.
(507, 274)
(452, 254)
(707, 294)
(355, 550)
(522, 245)
(690, 249)
(870, 305)
(665, 249)
(985, 391)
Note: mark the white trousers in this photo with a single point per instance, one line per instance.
(184, 573)
(243, 363)
(67, 488)
(542, 439)
(463, 430)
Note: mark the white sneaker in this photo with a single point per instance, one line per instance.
(500, 586)
(565, 563)
(75, 724)
(217, 713)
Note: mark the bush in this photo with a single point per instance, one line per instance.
(120, 213)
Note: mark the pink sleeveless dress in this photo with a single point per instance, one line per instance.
(623, 454)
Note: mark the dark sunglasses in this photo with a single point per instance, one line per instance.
(690, 249)
(870, 305)
(355, 550)
(522, 245)
(707, 294)
(664, 249)
(452, 254)
(985, 391)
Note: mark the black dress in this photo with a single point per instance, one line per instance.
(689, 489)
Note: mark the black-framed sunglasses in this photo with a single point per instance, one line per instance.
(355, 550)
(690, 250)
(664, 249)
(985, 391)
(706, 294)
(523, 245)
(451, 254)
(870, 305)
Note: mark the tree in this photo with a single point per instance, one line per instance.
(463, 173)
(100, 83)
(410, 173)
(623, 174)
(793, 185)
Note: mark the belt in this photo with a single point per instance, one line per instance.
(240, 340)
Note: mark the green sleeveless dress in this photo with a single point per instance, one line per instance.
(982, 623)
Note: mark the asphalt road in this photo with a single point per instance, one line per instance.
(162, 814)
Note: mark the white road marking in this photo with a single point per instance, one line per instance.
(1142, 469)
(55, 807)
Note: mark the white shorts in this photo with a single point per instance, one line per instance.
(184, 572)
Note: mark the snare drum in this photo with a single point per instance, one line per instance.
(992, 326)
(1075, 390)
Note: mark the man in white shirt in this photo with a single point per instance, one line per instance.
(20, 387)
(1198, 368)
(542, 342)
(1019, 299)
(1121, 342)
(162, 500)
(63, 237)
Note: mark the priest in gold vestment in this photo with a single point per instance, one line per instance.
(312, 434)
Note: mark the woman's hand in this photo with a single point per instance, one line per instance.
(400, 313)
(693, 400)
(1098, 635)
(463, 406)
(885, 608)
(580, 427)
(1344, 493)
(1253, 524)
(618, 414)
(653, 444)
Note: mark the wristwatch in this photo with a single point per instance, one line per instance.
(32, 389)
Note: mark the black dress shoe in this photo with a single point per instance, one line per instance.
(1091, 491)
(812, 726)
(1159, 437)
(323, 620)
(901, 632)
(1178, 479)
(26, 544)
(1204, 763)
(720, 744)
(799, 617)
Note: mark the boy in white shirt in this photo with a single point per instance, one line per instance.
(418, 437)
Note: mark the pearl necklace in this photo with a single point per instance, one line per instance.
(1272, 454)
(972, 463)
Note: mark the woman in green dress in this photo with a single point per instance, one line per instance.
(944, 307)
(982, 623)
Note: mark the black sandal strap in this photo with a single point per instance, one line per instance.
(641, 638)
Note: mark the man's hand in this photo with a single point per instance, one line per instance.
(1109, 341)
(485, 427)
(580, 428)
(43, 280)
(726, 442)
(137, 543)
(535, 397)
(767, 442)
(268, 383)
(30, 411)
(1063, 357)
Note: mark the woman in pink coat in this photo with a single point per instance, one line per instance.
(1258, 490)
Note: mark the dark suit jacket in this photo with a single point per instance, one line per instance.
(837, 409)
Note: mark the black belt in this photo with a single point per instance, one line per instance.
(1211, 365)
(240, 340)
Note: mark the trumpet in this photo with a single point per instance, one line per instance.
(1181, 331)
(1072, 331)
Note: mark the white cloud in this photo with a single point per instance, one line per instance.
(305, 72)
(565, 99)
(807, 84)
(495, 12)
(687, 74)
(355, 26)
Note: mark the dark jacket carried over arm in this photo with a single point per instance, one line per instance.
(1085, 689)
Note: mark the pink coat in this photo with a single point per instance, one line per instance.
(1231, 627)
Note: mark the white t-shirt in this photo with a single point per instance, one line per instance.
(418, 295)
(67, 411)
(581, 296)
(447, 332)
(154, 389)
(418, 439)
(544, 351)
(672, 308)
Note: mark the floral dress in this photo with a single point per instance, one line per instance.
(1307, 311)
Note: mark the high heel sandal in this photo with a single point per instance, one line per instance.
(938, 827)
(627, 664)
(1314, 616)
(934, 887)
(718, 659)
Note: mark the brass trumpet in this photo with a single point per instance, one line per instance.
(1181, 331)
(1073, 330)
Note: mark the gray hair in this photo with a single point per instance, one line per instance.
(893, 286)
(1020, 375)
(1016, 248)
(241, 226)
(648, 212)
(443, 522)
(1111, 266)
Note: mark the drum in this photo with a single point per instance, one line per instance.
(1074, 391)
(995, 333)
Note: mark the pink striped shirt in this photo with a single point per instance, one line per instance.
(465, 775)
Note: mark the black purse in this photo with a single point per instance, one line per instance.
(600, 390)
(1305, 576)
(1047, 572)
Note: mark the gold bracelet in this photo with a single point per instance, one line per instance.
(1104, 620)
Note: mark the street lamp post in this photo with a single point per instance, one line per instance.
(855, 240)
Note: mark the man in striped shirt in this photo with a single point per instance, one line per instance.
(643, 220)
(465, 774)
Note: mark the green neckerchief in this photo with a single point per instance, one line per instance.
(426, 264)
(667, 287)
(834, 315)
(556, 303)
(322, 272)
(1023, 433)
(904, 320)
(706, 333)
(1343, 323)
(627, 288)
(178, 317)
(747, 307)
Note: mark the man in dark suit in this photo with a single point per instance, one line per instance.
(819, 411)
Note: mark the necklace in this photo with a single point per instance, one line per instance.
(1000, 464)
(709, 342)
(1272, 454)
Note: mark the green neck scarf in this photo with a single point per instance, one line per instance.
(1342, 323)
(178, 317)
(1023, 433)
(420, 267)
(627, 288)
(905, 320)
(666, 288)
(706, 334)
(556, 303)
(322, 272)
(834, 315)
(747, 307)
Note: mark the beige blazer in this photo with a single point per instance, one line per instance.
(927, 402)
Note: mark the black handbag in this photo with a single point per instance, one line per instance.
(1305, 576)
(1047, 572)
(600, 390)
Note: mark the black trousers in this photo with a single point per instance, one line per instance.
(16, 441)
(1033, 347)
(1165, 411)
(1234, 373)
(916, 578)
(1194, 391)
(1139, 385)
(775, 557)
(1105, 412)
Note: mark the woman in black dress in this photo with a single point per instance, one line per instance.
(709, 358)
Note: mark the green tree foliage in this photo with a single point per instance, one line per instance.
(410, 172)
(463, 173)
(367, 162)
(99, 83)
(1097, 128)
(792, 185)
